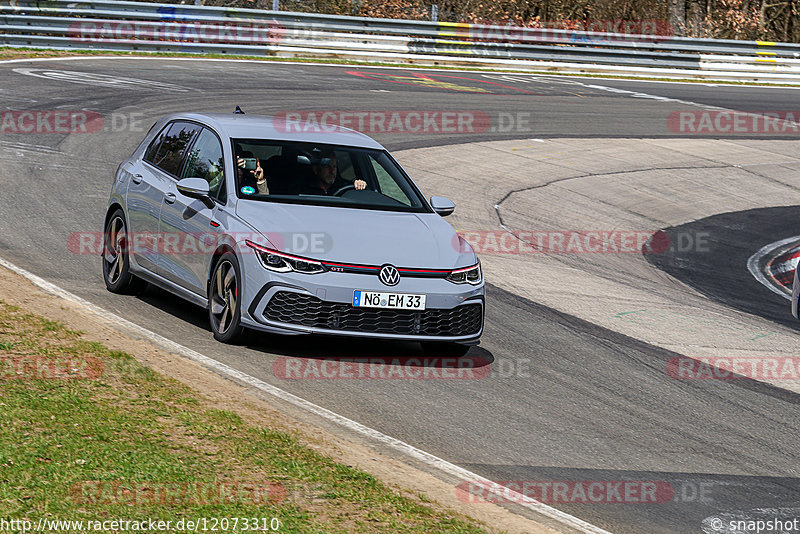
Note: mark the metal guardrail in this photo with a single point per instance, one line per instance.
(150, 27)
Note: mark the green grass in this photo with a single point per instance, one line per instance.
(65, 443)
(8, 52)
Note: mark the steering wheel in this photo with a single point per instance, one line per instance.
(343, 189)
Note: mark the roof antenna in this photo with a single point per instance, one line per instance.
(238, 111)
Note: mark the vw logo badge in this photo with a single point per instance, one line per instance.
(389, 275)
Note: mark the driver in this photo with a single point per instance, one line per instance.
(326, 180)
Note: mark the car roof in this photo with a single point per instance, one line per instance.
(241, 126)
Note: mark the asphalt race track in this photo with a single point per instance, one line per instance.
(578, 345)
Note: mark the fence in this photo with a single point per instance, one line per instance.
(149, 27)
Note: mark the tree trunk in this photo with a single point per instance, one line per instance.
(677, 16)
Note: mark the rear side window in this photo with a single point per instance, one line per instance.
(172, 143)
(152, 150)
(205, 161)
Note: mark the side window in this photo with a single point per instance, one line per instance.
(387, 185)
(150, 153)
(206, 161)
(173, 146)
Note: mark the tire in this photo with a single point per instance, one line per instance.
(444, 349)
(224, 304)
(115, 258)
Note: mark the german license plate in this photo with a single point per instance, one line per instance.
(395, 301)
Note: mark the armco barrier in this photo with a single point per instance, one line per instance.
(150, 27)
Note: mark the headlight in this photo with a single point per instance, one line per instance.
(284, 263)
(470, 275)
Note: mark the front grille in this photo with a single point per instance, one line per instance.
(295, 308)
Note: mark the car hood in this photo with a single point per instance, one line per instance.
(348, 235)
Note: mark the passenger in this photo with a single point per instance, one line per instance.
(326, 179)
(254, 178)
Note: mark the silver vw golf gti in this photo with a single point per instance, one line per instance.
(291, 229)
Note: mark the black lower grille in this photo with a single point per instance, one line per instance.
(294, 308)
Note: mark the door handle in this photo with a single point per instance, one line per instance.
(137, 178)
(169, 197)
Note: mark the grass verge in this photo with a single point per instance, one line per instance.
(89, 434)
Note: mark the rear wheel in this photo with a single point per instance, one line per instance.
(444, 349)
(224, 307)
(116, 261)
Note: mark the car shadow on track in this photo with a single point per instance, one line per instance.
(316, 356)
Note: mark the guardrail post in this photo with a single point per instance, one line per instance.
(435, 12)
(276, 5)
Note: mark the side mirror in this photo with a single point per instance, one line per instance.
(196, 188)
(442, 205)
(193, 187)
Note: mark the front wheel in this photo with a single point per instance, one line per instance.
(224, 307)
(444, 349)
(116, 258)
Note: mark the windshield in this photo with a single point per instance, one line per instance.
(306, 173)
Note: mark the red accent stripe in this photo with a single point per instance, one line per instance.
(374, 268)
(436, 271)
(352, 265)
(780, 270)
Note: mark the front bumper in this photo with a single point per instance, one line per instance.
(295, 303)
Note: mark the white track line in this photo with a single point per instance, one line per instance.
(755, 260)
(424, 68)
(418, 454)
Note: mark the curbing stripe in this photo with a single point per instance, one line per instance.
(755, 260)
